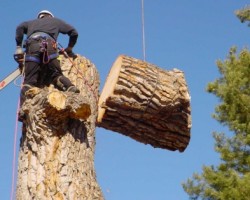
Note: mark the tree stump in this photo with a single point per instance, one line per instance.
(56, 158)
(146, 103)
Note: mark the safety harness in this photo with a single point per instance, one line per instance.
(40, 48)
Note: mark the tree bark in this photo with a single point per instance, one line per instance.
(146, 103)
(56, 158)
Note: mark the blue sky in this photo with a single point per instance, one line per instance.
(188, 35)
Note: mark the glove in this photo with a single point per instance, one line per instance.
(19, 55)
(19, 50)
(68, 50)
(70, 53)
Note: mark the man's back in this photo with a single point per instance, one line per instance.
(50, 25)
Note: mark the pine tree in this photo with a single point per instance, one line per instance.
(231, 178)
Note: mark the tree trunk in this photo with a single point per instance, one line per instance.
(146, 103)
(56, 158)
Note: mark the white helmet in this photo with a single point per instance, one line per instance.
(44, 12)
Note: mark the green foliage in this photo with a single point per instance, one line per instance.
(231, 178)
(218, 184)
(233, 90)
(243, 14)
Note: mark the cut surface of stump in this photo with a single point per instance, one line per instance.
(146, 103)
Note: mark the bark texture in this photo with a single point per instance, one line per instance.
(56, 158)
(146, 103)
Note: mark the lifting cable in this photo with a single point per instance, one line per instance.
(143, 31)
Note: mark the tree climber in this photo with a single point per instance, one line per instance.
(41, 52)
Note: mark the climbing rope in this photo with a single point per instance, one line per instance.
(85, 81)
(15, 136)
(14, 156)
(78, 72)
(143, 31)
(16, 81)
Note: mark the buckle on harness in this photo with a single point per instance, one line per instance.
(43, 46)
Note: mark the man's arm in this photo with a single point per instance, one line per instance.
(70, 31)
(20, 31)
(73, 35)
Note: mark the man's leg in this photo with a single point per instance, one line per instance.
(59, 80)
(31, 73)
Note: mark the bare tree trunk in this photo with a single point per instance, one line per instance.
(146, 103)
(56, 158)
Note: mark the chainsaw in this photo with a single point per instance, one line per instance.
(8, 79)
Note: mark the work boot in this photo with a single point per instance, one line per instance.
(64, 84)
(73, 89)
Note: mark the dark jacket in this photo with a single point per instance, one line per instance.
(50, 25)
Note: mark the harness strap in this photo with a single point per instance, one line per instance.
(32, 58)
(38, 60)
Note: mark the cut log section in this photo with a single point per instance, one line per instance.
(146, 103)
